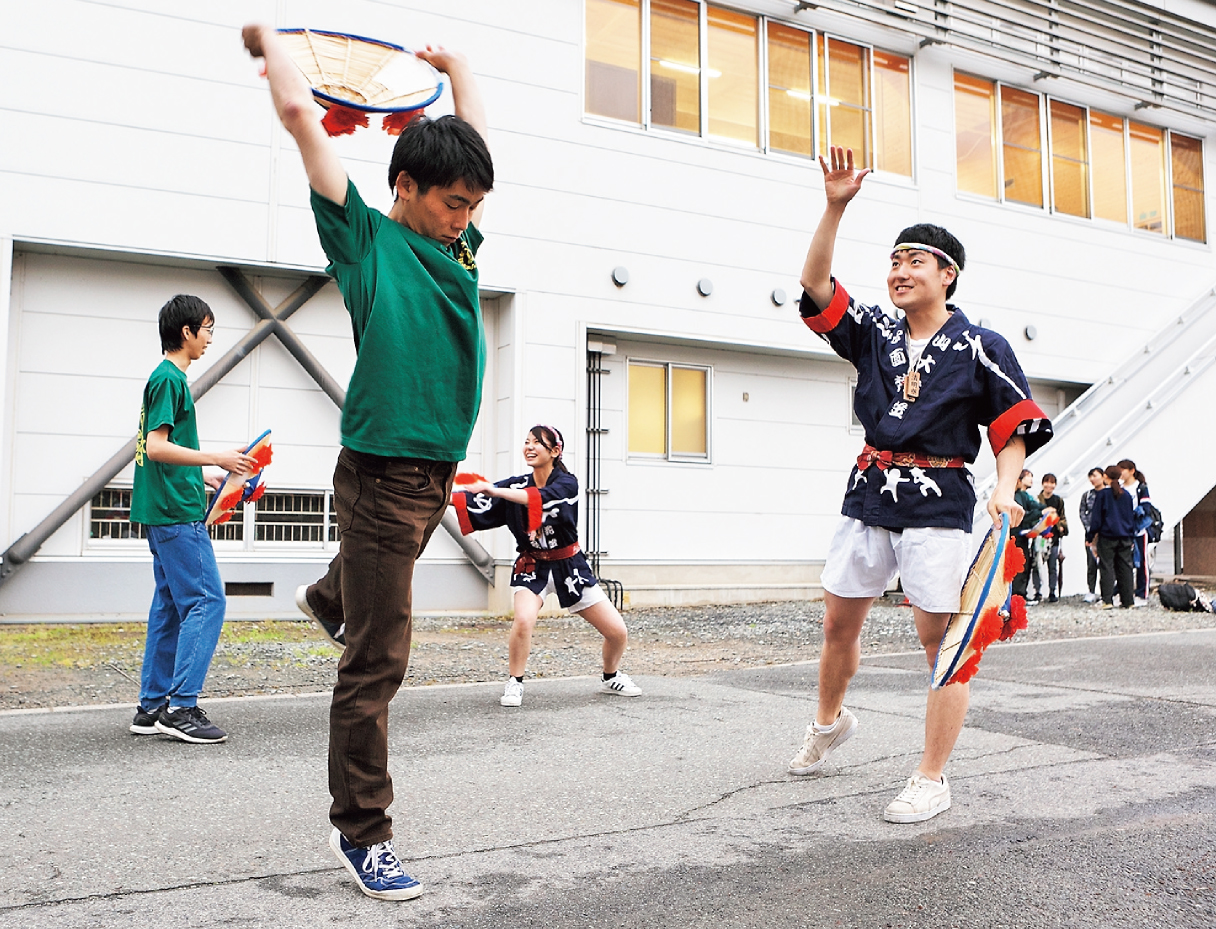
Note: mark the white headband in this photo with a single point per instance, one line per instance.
(919, 247)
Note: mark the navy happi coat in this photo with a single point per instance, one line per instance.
(548, 521)
(969, 378)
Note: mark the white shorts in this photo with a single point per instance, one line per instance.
(932, 563)
(591, 595)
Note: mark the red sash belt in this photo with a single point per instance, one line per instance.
(870, 455)
(526, 562)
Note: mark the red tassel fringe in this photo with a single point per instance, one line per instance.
(257, 493)
(967, 670)
(468, 477)
(1017, 618)
(1015, 561)
(342, 120)
(395, 123)
(262, 456)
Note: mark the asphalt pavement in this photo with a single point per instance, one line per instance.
(1084, 790)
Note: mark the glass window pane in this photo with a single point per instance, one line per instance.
(1069, 160)
(1109, 162)
(648, 409)
(892, 114)
(844, 99)
(1186, 156)
(789, 89)
(734, 75)
(688, 411)
(1022, 149)
(675, 65)
(1147, 150)
(975, 131)
(614, 58)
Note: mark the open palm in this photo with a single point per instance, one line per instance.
(841, 179)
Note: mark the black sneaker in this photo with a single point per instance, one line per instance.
(335, 631)
(190, 724)
(145, 720)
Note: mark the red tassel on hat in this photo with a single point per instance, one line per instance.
(395, 123)
(1015, 561)
(987, 630)
(342, 120)
(1017, 618)
(966, 670)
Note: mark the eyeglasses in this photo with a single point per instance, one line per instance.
(210, 329)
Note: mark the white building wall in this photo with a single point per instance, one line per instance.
(161, 141)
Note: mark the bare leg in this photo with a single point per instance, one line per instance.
(527, 606)
(842, 622)
(945, 709)
(608, 623)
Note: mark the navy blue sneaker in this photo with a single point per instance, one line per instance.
(145, 720)
(190, 724)
(335, 631)
(377, 869)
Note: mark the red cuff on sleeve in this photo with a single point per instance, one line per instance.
(832, 314)
(536, 512)
(461, 502)
(1003, 426)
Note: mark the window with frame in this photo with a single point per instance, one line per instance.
(843, 102)
(668, 410)
(1098, 165)
(749, 80)
(292, 517)
(613, 75)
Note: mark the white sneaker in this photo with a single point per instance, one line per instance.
(1090, 598)
(920, 799)
(1140, 601)
(621, 685)
(513, 693)
(818, 745)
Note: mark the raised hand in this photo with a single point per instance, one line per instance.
(841, 180)
(441, 59)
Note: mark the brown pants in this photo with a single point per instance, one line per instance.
(387, 509)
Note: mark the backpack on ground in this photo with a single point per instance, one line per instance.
(1182, 598)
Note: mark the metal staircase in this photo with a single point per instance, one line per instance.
(1156, 409)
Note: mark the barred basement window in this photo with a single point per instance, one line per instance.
(110, 516)
(110, 519)
(292, 517)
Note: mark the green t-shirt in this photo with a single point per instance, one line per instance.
(414, 308)
(166, 494)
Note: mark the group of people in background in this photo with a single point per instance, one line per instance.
(1113, 512)
(1113, 515)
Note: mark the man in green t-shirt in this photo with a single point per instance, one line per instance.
(409, 282)
(169, 499)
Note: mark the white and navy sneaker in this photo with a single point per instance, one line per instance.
(145, 720)
(621, 685)
(335, 632)
(190, 724)
(376, 869)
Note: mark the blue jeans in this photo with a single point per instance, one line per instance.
(186, 616)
